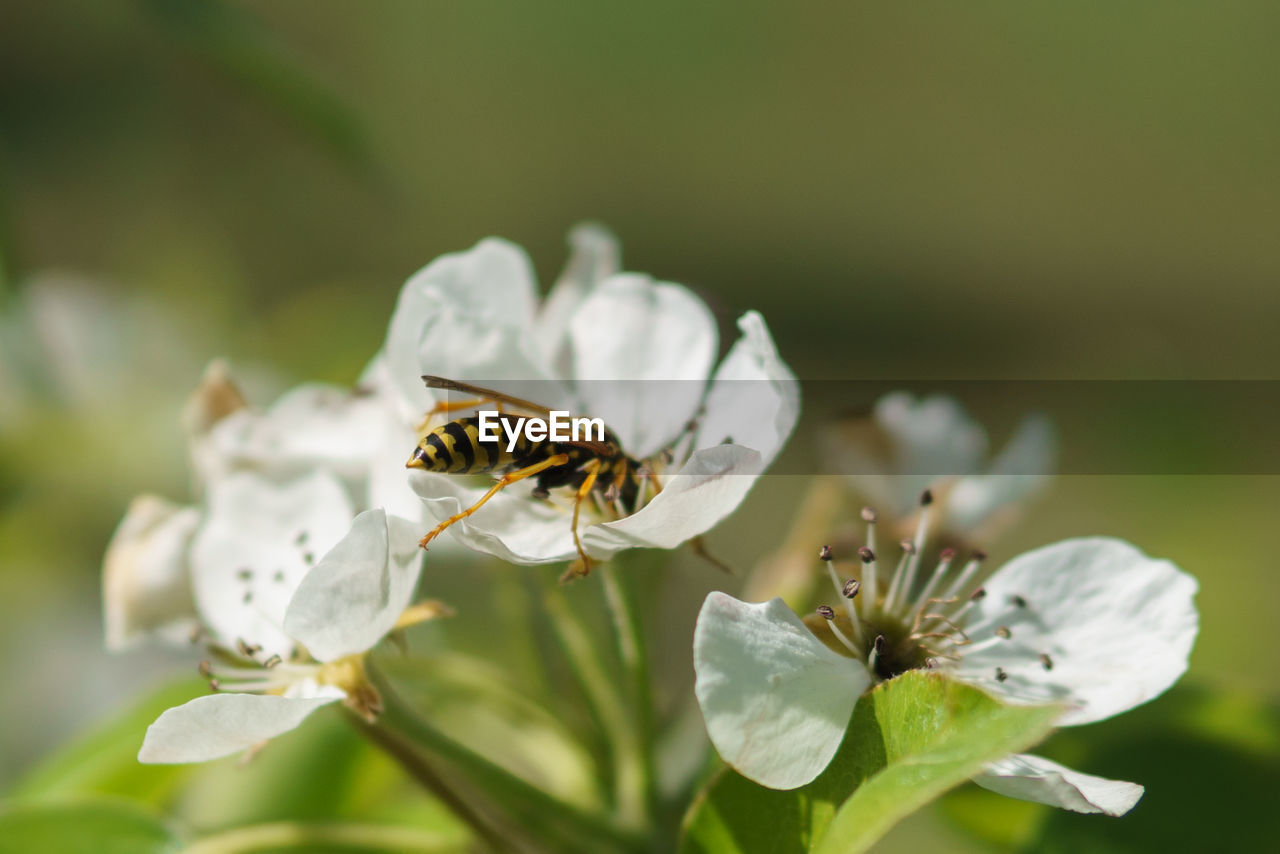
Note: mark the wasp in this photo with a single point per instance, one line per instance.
(601, 469)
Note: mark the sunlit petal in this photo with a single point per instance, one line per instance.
(776, 701)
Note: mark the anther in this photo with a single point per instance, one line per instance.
(979, 555)
(827, 613)
(908, 547)
(978, 594)
(840, 588)
(869, 515)
(926, 498)
(879, 644)
(1001, 675)
(541, 493)
(214, 684)
(1045, 661)
(851, 588)
(248, 650)
(1018, 601)
(272, 661)
(947, 554)
(931, 663)
(1004, 632)
(866, 554)
(206, 669)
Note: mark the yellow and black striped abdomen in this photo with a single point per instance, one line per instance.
(455, 448)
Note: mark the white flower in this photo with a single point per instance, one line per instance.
(359, 434)
(1090, 623)
(289, 636)
(312, 429)
(932, 443)
(638, 353)
(146, 580)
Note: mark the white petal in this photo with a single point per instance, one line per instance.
(929, 441)
(466, 316)
(776, 701)
(389, 479)
(215, 398)
(517, 529)
(754, 398)
(313, 425)
(146, 582)
(708, 488)
(1118, 627)
(642, 352)
(932, 435)
(357, 591)
(1019, 471)
(259, 539)
(511, 526)
(594, 255)
(221, 724)
(1034, 778)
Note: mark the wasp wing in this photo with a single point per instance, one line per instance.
(485, 394)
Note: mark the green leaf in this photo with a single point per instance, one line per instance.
(1210, 762)
(1230, 739)
(305, 774)
(909, 740)
(91, 827)
(326, 838)
(105, 759)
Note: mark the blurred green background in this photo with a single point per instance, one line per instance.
(910, 192)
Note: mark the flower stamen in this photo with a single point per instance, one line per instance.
(839, 586)
(828, 613)
(944, 564)
(869, 516)
(922, 534)
(898, 573)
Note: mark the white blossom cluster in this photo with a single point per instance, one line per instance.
(301, 553)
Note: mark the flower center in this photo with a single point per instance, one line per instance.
(915, 623)
(899, 649)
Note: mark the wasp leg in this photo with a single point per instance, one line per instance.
(454, 405)
(443, 407)
(503, 482)
(592, 468)
(699, 547)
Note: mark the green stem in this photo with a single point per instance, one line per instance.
(635, 661)
(605, 705)
(551, 820)
(259, 837)
(430, 779)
